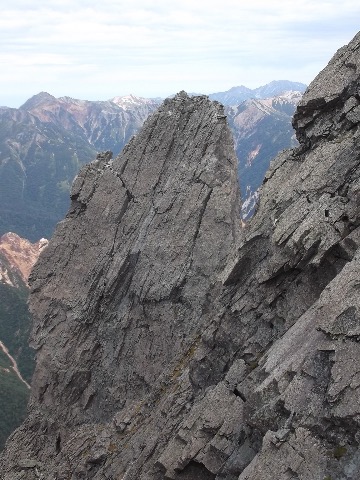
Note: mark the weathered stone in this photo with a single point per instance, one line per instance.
(135, 271)
(27, 463)
(174, 345)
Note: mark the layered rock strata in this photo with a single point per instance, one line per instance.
(149, 368)
(134, 272)
(292, 295)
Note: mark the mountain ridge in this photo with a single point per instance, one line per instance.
(239, 93)
(236, 95)
(44, 143)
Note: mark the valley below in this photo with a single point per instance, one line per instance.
(14, 365)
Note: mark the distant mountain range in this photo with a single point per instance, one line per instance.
(236, 95)
(261, 128)
(44, 143)
(42, 147)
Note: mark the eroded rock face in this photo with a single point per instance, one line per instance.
(147, 367)
(292, 295)
(134, 271)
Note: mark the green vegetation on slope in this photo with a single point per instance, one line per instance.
(38, 163)
(13, 399)
(14, 333)
(15, 327)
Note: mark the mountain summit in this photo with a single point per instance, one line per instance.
(174, 344)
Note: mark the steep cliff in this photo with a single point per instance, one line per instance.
(134, 272)
(173, 345)
(292, 295)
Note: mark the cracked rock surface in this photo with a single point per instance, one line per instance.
(174, 345)
(123, 293)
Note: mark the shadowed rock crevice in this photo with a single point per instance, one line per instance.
(193, 471)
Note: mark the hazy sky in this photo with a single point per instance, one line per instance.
(96, 50)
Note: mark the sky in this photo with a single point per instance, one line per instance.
(98, 50)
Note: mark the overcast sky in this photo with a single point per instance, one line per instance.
(96, 50)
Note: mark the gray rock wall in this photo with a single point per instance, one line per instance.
(124, 290)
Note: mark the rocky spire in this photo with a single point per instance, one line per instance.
(126, 287)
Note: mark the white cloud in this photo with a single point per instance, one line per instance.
(83, 47)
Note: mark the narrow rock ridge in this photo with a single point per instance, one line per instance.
(291, 328)
(148, 368)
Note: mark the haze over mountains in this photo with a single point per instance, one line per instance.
(44, 143)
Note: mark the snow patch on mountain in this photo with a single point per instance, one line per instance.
(128, 102)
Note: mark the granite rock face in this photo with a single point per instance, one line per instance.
(174, 345)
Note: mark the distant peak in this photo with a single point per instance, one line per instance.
(36, 100)
(278, 87)
(240, 88)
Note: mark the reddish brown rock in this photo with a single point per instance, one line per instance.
(18, 256)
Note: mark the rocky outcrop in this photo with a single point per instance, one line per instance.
(17, 257)
(144, 244)
(171, 344)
